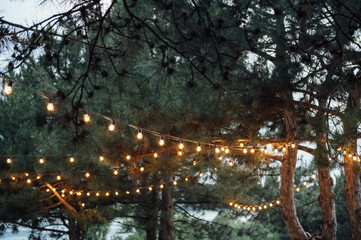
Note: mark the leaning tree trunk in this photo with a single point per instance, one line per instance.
(287, 174)
(352, 168)
(166, 231)
(327, 197)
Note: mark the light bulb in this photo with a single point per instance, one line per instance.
(186, 179)
(284, 149)
(78, 193)
(194, 163)
(222, 149)
(87, 174)
(271, 204)
(252, 150)
(241, 145)
(127, 192)
(116, 193)
(265, 206)
(181, 144)
(101, 158)
(230, 164)
(38, 177)
(235, 205)
(217, 149)
(71, 159)
(88, 194)
(62, 195)
(297, 189)
(128, 157)
(41, 160)
(8, 161)
(155, 155)
(329, 159)
(220, 158)
(254, 209)
(262, 149)
(115, 172)
(354, 157)
(244, 151)
(278, 202)
(71, 192)
(111, 126)
(227, 150)
(313, 176)
(265, 151)
(276, 150)
(293, 145)
(180, 153)
(260, 207)
(304, 183)
(199, 148)
(83, 204)
(249, 209)
(9, 89)
(142, 169)
(201, 174)
(26, 174)
(140, 134)
(349, 155)
(244, 208)
(150, 188)
(174, 182)
(231, 204)
(47, 190)
(97, 194)
(137, 191)
(107, 194)
(161, 186)
(86, 117)
(50, 106)
(161, 141)
(28, 181)
(58, 178)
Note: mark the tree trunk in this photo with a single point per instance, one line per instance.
(327, 197)
(76, 230)
(287, 174)
(152, 216)
(352, 168)
(166, 231)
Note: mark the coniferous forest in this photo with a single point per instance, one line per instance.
(182, 119)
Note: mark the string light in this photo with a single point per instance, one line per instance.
(155, 155)
(101, 158)
(41, 160)
(174, 182)
(293, 145)
(199, 148)
(161, 186)
(181, 145)
(88, 194)
(128, 157)
(58, 178)
(252, 150)
(217, 149)
(50, 106)
(140, 134)
(71, 159)
(107, 194)
(138, 190)
(83, 204)
(141, 169)
(127, 192)
(26, 174)
(276, 150)
(111, 126)
(78, 193)
(284, 148)
(222, 149)
(226, 150)
(186, 179)
(115, 172)
(87, 175)
(180, 153)
(28, 181)
(9, 89)
(304, 183)
(244, 151)
(86, 117)
(230, 163)
(8, 161)
(116, 193)
(297, 189)
(241, 145)
(97, 194)
(278, 202)
(161, 141)
(150, 188)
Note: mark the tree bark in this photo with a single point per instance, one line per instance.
(166, 231)
(76, 230)
(152, 217)
(287, 174)
(352, 168)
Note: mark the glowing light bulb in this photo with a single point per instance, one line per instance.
(265, 151)
(252, 150)
(97, 194)
(128, 157)
(244, 151)
(235, 205)
(161, 141)
(26, 174)
(304, 183)
(155, 155)
(83, 204)
(284, 149)
(41, 160)
(313, 176)
(111, 126)
(276, 150)
(220, 158)
(101, 158)
(260, 207)
(199, 148)
(217, 149)
(244, 208)
(127, 192)
(226, 150)
(262, 149)
(140, 134)
(88, 194)
(58, 177)
(186, 179)
(231, 204)
(278, 202)
(230, 164)
(293, 145)
(180, 153)
(297, 189)
(115, 172)
(137, 191)
(142, 169)
(86, 117)
(330, 159)
(62, 195)
(271, 204)
(161, 186)
(181, 144)
(249, 209)
(222, 149)
(47, 190)
(241, 145)
(349, 155)
(87, 175)
(150, 188)
(174, 182)
(28, 181)
(71, 192)
(354, 158)
(38, 177)
(265, 206)
(254, 209)
(50, 106)
(78, 193)
(201, 174)
(8, 161)
(71, 159)
(116, 193)
(9, 89)
(194, 163)
(107, 194)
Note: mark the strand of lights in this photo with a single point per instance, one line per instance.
(111, 127)
(272, 203)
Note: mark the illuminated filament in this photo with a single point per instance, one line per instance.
(111, 126)
(86, 117)
(8, 161)
(9, 89)
(50, 106)
(181, 144)
(161, 141)
(41, 160)
(140, 134)
(199, 148)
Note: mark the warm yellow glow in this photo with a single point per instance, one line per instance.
(86, 118)
(87, 174)
(231, 204)
(244, 151)
(241, 145)
(354, 158)
(111, 127)
(244, 208)
(141, 169)
(71, 192)
(101, 158)
(115, 172)
(161, 186)
(97, 194)
(38, 177)
(83, 204)
(199, 148)
(26, 174)
(194, 163)
(313, 176)
(304, 183)
(186, 179)
(235, 205)
(41, 160)
(220, 158)
(78, 193)
(137, 191)
(262, 149)
(88, 194)
(265, 206)
(230, 164)
(222, 149)
(174, 183)
(265, 151)
(278, 202)
(71, 159)
(297, 189)
(28, 181)
(254, 209)
(8, 161)
(50, 106)
(155, 155)
(260, 207)
(180, 153)
(217, 150)
(127, 192)
(350, 155)
(227, 150)
(249, 209)
(150, 188)
(284, 149)
(329, 159)
(107, 194)
(201, 174)
(252, 150)
(8, 90)
(128, 157)
(116, 193)
(271, 204)
(276, 150)
(58, 177)
(161, 141)
(181, 145)
(47, 190)
(293, 145)
(140, 134)
(62, 195)
(13, 178)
